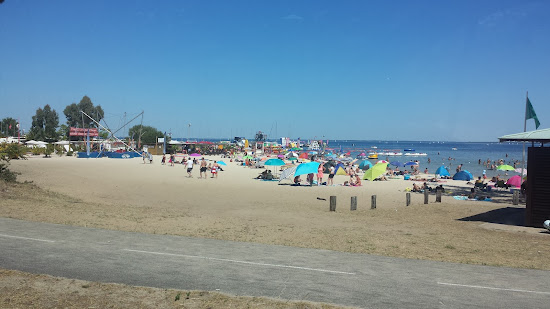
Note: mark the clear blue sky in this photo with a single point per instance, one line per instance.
(388, 70)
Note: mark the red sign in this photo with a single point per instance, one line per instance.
(83, 132)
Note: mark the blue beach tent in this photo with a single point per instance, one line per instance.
(462, 176)
(442, 171)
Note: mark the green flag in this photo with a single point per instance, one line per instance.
(530, 113)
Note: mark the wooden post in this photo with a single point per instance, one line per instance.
(408, 198)
(438, 196)
(426, 195)
(353, 203)
(332, 203)
(373, 202)
(515, 198)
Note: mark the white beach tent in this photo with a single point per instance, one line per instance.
(64, 143)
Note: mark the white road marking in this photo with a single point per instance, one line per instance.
(242, 262)
(492, 288)
(26, 238)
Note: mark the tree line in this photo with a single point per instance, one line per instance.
(45, 124)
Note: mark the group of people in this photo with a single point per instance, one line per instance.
(205, 166)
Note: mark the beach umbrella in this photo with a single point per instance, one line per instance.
(442, 171)
(307, 168)
(280, 156)
(397, 163)
(462, 175)
(221, 163)
(471, 176)
(505, 167)
(313, 152)
(375, 171)
(519, 170)
(292, 159)
(381, 161)
(274, 162)
(195, 155)
(515, 181)
(411, 163)
(288, 173)
(303, 155)
(247, 157)
(365, 165)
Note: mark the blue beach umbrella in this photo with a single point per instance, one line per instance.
(397, 163)
(274, 162)
(307, 168)
(365, 165)
(462, 176)
(411, 163)
(442, 171)
(221, 163)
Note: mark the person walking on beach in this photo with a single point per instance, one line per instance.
(189, 168)
(172, 159)
(163, 161)
(203, 169)
(214, 170)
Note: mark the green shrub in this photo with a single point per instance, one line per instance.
(37, 150)
(6, 174)
(10, 151)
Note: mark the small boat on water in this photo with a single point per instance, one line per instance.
(408, 149)
(416, 154)
(454, 148)
(373, 156)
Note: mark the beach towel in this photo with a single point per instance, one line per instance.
(465, 198)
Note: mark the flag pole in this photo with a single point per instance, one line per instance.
(524, 130)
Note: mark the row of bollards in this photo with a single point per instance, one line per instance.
(373, 200)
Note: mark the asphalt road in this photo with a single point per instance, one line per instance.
(237, 268)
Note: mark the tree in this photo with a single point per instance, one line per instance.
(63, 132)
(44, 124)
(78, 120)
(148, 134)
(8, 126)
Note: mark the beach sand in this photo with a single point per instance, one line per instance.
(125, 194)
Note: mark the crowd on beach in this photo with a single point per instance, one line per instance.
(325, 174)
(213, 167)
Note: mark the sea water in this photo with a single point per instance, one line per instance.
(449, 154)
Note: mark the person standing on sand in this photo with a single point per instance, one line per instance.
(330, 181)
(203, 169)
(320, 174)
(163, 162)
(190, 168)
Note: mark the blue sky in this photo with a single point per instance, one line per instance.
(383, 70)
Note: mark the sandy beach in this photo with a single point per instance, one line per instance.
(125, 194)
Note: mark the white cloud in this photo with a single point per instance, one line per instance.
(493, 19)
